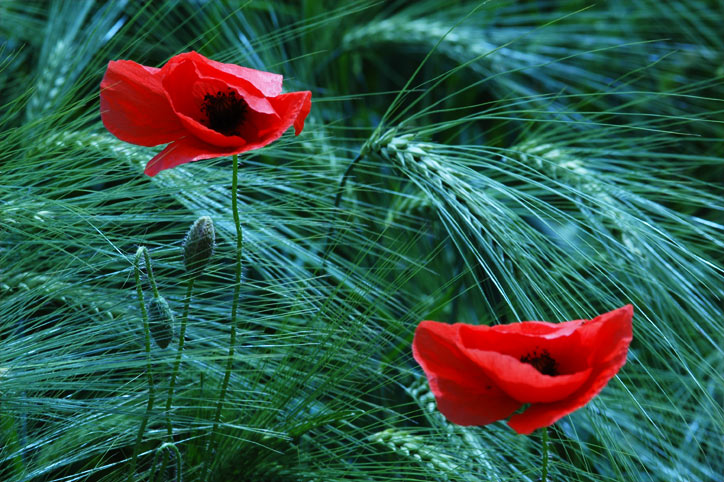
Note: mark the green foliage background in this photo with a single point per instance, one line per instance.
(520, 160)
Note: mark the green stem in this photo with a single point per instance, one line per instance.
(11, 442)
(151, 393)
(149, 271)
(345, 176)
(337, 200)
(175, 454)
(544, 469)
(179, 351)
(234, 308)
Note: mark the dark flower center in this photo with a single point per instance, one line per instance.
(225, 112)
(542, 362)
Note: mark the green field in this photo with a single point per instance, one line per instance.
(479, 162)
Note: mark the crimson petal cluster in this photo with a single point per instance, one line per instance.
(481, 374)
(201, 108)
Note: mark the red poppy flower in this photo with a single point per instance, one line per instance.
(480, 374)
(203, 108)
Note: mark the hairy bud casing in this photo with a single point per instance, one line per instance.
(160, 321)
(199, 245)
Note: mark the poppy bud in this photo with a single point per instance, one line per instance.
(160, 321)
(199, 245)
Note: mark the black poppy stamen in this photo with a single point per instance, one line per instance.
(542, 362)
(225, 112)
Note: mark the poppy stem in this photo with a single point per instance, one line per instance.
(167, 448)
(544, 468)
(177, 362)
(149, 271)
(142, 251)
(234, 308)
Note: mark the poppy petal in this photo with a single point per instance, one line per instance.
(539, 329)
(560, 341)
(259, 129)
(613, 334)
(303, 112)
(186, 89)
(204, 108)
(462, 391)
(556, 368)
(523, 382)
(544, 414)
(293, 109)
(187, 149)
(134, 107)
(266, 83)
(470, 407)
(191, 148)
(610, 334)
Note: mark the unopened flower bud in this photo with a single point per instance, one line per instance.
(160, 321)
(199, 245)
